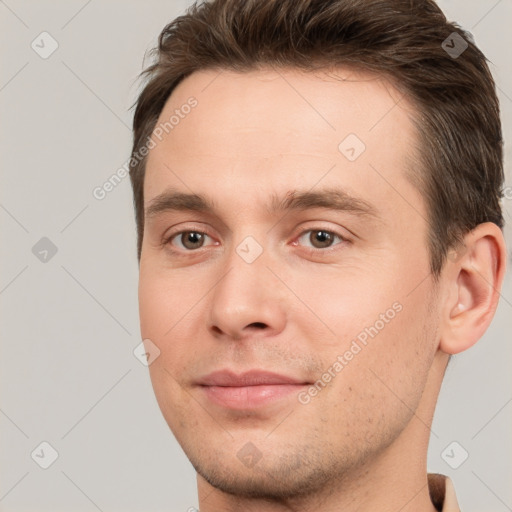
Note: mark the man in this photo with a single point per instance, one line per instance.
(317, 188)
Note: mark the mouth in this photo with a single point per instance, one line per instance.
(249, 390)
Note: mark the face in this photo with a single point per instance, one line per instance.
(291, 302)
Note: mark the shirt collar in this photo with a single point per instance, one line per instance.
(442, 493)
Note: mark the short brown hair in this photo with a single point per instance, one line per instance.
(408, 41)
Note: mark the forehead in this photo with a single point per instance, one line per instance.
(287, 101)
(274, 127)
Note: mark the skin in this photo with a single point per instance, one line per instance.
(361, 442)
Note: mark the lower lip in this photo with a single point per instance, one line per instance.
(248, 397)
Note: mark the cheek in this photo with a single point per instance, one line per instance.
(397, 359)
(382, 336)
(160, 311)
(169, 309)
(154, 308)
(382, 384)
(343, 304)
(162, 301)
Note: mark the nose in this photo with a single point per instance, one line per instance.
(248, 300)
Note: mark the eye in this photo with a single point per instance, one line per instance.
(191, 240)
(187, 240)
(321, 238)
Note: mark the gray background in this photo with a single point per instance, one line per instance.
(70, 324)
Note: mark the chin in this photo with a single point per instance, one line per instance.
(279, 477)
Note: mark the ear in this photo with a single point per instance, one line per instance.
(473, 280)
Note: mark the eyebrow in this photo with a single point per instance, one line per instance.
(331, 198)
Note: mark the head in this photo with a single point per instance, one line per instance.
(325, 205)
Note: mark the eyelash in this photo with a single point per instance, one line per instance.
(311, 250)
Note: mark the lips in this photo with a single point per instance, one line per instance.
(250, 378)
(248, 390)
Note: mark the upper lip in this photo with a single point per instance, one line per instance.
(229, 378)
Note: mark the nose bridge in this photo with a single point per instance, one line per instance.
(248, 292)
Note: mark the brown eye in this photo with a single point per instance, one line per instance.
(192, 239)
(320, 238)
(189, 240)
(324, 238)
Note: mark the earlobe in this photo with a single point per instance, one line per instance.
(474, 284)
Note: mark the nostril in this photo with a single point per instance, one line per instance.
(259, 325)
